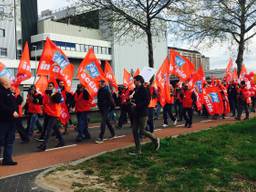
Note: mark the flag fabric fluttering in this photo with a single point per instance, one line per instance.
(110, 76)
(228, 75)
(183, 68)
(90, 73)
(128, 80)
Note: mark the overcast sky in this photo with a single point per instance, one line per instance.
(218, 53)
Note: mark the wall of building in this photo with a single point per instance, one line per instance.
(48, 26)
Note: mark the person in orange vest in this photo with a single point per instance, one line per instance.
(82, 107)
(51, 107)
(151, 106)
(244, 99)
(188, 99)
(34, 107)
(167, 110)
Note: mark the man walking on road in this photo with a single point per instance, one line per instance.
(141, 99)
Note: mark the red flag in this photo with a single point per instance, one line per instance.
(213, 100)
(243, 72)
(228, 75)
(64, 114)
(41, 84)
(183, 68)
(90, 72)
(136, 73)
(24, 69)
(128, 80)
(197, 78)
(110, 76)
(163, 82)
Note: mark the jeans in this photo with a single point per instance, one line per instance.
(124, 110)
(150, 121)
(188, 115)
(21, 130)
(139, 128)
(158, 110)
(49, 124)
(105, 122)
(178, 110)
(168, 111)
(82, 126)
(7, 138)
(34, 121)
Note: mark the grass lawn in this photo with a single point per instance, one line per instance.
(219, 159)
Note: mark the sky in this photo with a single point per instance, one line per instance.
(219, 53)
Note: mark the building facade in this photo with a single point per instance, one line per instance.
(195, 57)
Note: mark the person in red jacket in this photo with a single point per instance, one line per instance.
(51, 107)
(34, 105)
(244, 99)
(82, 107)
(188, 99)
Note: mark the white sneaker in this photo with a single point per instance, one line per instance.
(99, 141)
(165, 125)
(175, 122)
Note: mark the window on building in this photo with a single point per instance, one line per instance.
(3, 51)
(2, 32)
(109, 51)
(86, 48)
(95, 48)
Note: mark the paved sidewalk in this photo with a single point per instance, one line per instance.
(37, 161)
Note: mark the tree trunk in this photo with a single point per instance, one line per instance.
(150, 50)
(240, 56)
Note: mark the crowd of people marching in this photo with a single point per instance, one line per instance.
(141, 105)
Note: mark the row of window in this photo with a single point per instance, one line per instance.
(3, 52)
(78, 47)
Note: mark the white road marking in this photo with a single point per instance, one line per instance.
(206, 121)
(181, 125)
(66, 146)
(116, 137)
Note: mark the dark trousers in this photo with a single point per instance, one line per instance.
(7, 138)
(233, 105)
(49, 124)
(168, 111)
(21, 130)
(82, 126)
(178, 110)
(124, 110)
(150, 121)
(242, 105)
(139, 128)
(34, 122)
(188, 115)
(105, 122)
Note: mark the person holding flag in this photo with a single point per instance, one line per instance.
(243, 101)
(52, 109)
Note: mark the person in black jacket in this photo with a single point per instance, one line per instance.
(8, 116)
(105, 104)
(141, 99)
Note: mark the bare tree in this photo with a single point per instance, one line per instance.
(134, 16)
(218, 20)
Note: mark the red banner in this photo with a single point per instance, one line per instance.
(41, 84)
(90, 73)
(110, 76)
(182, 67)
(24, 69)
(163, 82)
(64, 114)
(128, 80)
(228, 75)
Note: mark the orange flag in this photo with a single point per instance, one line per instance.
(197, 78)
(24, 69)
(228, 75)
(235, 76)
(163, 82)
(110, 76)
(64, 114)
(136, 73)
(41, 84)
(128, 80)
(182, 67)
(90, 73)
(243, 72)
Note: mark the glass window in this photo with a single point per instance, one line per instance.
(78, 47)
(2, 32)
(86, 48)
(95, 48)
(3, 51)
(109, 51)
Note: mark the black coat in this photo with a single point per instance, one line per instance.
(141, 98)
(8, 104)
(105, 99)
